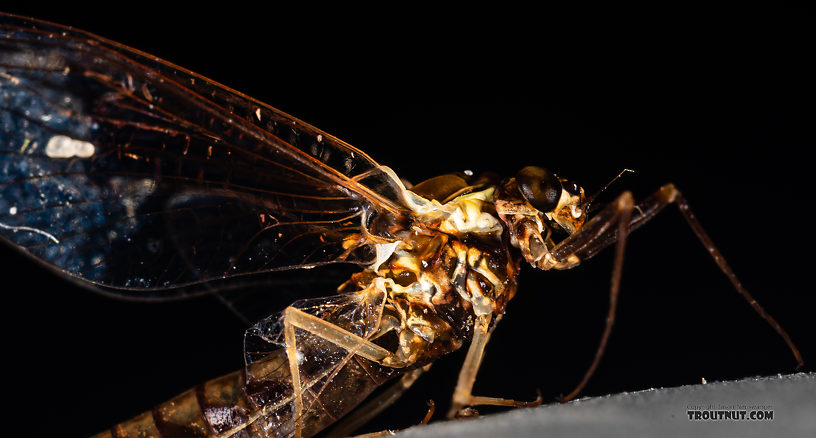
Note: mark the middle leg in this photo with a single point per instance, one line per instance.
(463, 393)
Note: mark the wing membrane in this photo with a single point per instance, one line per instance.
(327, 371)
(131, 173)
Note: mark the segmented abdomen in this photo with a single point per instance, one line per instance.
(227, 407)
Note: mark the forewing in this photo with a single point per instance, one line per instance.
(131, 173)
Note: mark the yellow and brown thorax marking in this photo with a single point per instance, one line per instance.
(440, 275)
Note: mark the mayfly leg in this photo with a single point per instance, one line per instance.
(614, 223)
(611, 221)
(618, 213)
(294, 318)
(363, 414)
(610, 225)
(463, 393)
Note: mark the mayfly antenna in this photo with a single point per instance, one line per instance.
(606, 186)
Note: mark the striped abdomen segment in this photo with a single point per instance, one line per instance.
(228, 407)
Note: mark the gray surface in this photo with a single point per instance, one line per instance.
(655, 412)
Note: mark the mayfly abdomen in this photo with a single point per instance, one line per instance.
(221, 401)
(229, 407)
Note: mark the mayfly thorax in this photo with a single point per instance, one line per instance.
(143, 180)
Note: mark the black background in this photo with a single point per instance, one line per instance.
(719, 102)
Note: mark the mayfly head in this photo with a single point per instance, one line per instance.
(560, 200)
(536, 205)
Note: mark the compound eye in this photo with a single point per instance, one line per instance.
(540, 187)
(572, 187)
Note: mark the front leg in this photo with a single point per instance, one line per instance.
(613, 224)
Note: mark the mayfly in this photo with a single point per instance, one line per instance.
(141, 179)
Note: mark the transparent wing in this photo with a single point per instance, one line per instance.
(356, 313)
(332, 379)
(131, 173)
